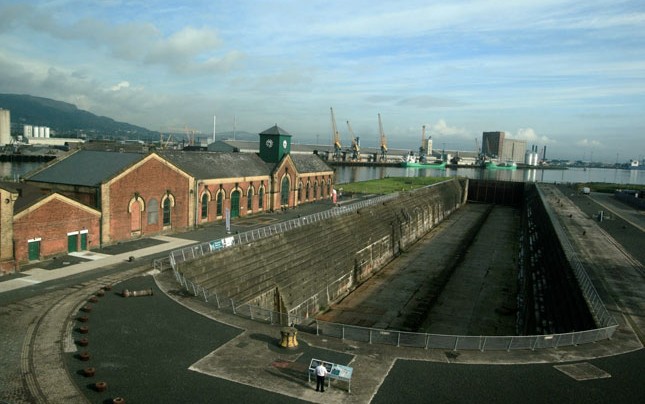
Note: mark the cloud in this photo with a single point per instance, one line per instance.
(428, 101)
(121, 85)
(531, 136)
(185, 50)
(588, 143)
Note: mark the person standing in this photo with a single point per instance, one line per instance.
(321, 372)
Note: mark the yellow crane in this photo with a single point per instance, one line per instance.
(383, 140)
(337, 145)
(356, 143)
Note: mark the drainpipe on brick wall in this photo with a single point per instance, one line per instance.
(196, 204)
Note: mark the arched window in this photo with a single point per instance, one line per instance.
(249, 199)
(284, 191)
(315, 190)
(166, 212)
(153, 211)
(261, 198)
(308, 191)
(220, 203)
(205, 206)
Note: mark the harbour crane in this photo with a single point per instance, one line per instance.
(337, 145)
(383, 156)
(356, 143)
(189, 132)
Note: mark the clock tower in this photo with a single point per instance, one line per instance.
(275, 142)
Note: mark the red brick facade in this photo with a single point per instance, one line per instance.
(224, 188)
(133, 202)
(53, 223)
(151, 196)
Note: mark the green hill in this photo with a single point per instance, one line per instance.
(66, 120)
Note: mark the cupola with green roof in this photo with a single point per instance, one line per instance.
(275, 142)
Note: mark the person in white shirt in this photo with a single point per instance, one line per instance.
(321, 372)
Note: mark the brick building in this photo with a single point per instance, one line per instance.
(98, 198)
(36, 225)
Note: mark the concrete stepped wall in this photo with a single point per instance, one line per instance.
(550, 298)
(303, 270)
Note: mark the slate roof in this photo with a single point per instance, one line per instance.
(309, 163)
(275, 130)
(27, 194)
(86, 168)
(220, 146)
(209, 165)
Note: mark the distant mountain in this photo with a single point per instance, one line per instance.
(66, 120)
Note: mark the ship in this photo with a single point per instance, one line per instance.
(507, 165)
(412, 161)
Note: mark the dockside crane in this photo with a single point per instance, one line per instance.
(337, 145)
(383, 156)
(189, 132)
(356, 143)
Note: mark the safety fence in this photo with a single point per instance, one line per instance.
(199, 250)
(596, 306)
(394, 337)
(300, 315)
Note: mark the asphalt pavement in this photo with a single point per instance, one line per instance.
(173, 347)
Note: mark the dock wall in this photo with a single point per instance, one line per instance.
(302, 271)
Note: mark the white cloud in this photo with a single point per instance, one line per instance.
(531, 136)
(589, 143)
(120, 86)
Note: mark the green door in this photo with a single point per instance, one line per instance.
(83, 241)
(235, 204)
(34, 250)
(72, 242)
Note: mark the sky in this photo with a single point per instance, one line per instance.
(568, 75)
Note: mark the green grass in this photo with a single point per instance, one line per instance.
(389, 185)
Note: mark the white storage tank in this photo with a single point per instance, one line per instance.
(5, 127)
(27, 131)
(46, 132)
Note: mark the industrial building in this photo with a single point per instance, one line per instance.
(5, 127)
(497, 146)
(109, 196)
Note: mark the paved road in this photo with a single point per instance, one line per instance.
(170, 353)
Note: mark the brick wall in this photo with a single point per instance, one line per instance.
(152, 178)
(50, 221)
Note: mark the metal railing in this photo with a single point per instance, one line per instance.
(199, 250)
(410, 339)
(606, 322)
(596, 306)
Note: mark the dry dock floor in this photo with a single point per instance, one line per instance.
(477, 299)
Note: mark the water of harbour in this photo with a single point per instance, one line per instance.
(345, 174)
(13, 170)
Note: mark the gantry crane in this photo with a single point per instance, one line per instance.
(383, 140)
(337, 145)
(189, 132)
(356, 143)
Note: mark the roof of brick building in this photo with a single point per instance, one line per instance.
(86, 168)
(206, 165)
